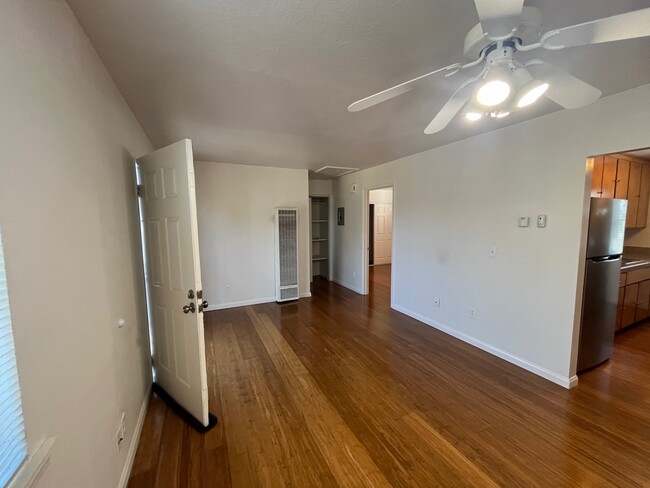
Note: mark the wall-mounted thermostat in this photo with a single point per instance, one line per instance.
(353, 188)
(524, 221)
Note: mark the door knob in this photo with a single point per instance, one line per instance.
(189, 308)
(203, 306)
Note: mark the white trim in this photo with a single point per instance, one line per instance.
(564, 381)
(32, 467)
(242, 303)
(365, 273)
(348, 286)
(137, 432)
(305, 295)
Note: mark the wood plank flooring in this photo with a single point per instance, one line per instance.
(340, 390)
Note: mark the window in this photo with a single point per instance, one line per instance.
(13, 446)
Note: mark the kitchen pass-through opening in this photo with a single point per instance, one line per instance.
(616, 285)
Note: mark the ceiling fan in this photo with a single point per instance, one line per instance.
(500, 84)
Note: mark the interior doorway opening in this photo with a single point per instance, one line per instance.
(614, 276)
(378, 241)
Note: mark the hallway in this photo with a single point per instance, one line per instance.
(340, 390)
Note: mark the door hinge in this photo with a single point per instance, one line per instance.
(140, 190)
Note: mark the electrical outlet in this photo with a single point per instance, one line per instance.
(436, 302)
(493, 252)
(472, 313)
(228, 289)
(354, 275)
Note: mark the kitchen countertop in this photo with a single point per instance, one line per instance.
(635, 258)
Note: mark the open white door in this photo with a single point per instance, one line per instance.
(173, 275)
(383, 233)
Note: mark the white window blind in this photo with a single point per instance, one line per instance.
(13, 446)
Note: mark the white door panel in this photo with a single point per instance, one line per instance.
(383, 238)
(171, 242)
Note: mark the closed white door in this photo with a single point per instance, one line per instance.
(173, 275)
(383, 233)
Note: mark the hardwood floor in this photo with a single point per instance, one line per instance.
(340, 390)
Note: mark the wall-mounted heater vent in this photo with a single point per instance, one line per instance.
(286, 254)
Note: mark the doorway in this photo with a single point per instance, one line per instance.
(613, 305)
(378, 239)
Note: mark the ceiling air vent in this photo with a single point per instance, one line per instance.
(334, 171)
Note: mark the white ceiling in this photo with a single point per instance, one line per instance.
(641, 153)
(268, 81)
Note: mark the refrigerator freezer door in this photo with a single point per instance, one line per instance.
(598, 312)
(606, 227)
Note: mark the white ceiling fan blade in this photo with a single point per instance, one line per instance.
(615, 28)
(564, 89)
(450, 109)
(394, 91)
(499, 17)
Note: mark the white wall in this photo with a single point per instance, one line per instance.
(320, 188)
(69, 222)
(383, 195)
(452, 203)
(236, 206)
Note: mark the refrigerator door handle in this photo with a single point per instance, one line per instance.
(606, 258)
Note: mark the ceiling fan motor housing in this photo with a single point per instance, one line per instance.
(528, 32)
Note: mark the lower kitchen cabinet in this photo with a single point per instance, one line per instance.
(633, 298)
(629, 304)
(643, 301)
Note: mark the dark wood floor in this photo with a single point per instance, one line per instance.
(340, 390)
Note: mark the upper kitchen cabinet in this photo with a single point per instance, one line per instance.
(619, 176)
(633, 193)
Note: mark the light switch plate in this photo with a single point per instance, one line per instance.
(541, 220)
(353, 188)
(524, 221)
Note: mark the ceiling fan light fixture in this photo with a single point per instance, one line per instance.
(473, 116)
(499, 114)
(493, 92)
(530, 93)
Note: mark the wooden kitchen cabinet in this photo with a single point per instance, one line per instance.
(629, 304)
(633, 194)
(617, 176)
(603, 183)
(622, 178)
(643, 301)
(644, 196)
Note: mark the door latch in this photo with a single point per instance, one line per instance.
(189, 308)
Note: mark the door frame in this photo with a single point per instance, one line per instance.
(330, 234)
(365, 271)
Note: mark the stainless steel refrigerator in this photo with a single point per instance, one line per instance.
(602, 274)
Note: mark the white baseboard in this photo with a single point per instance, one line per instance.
(130, 456)
(242, 303)
(564, 381)
(348, 286)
